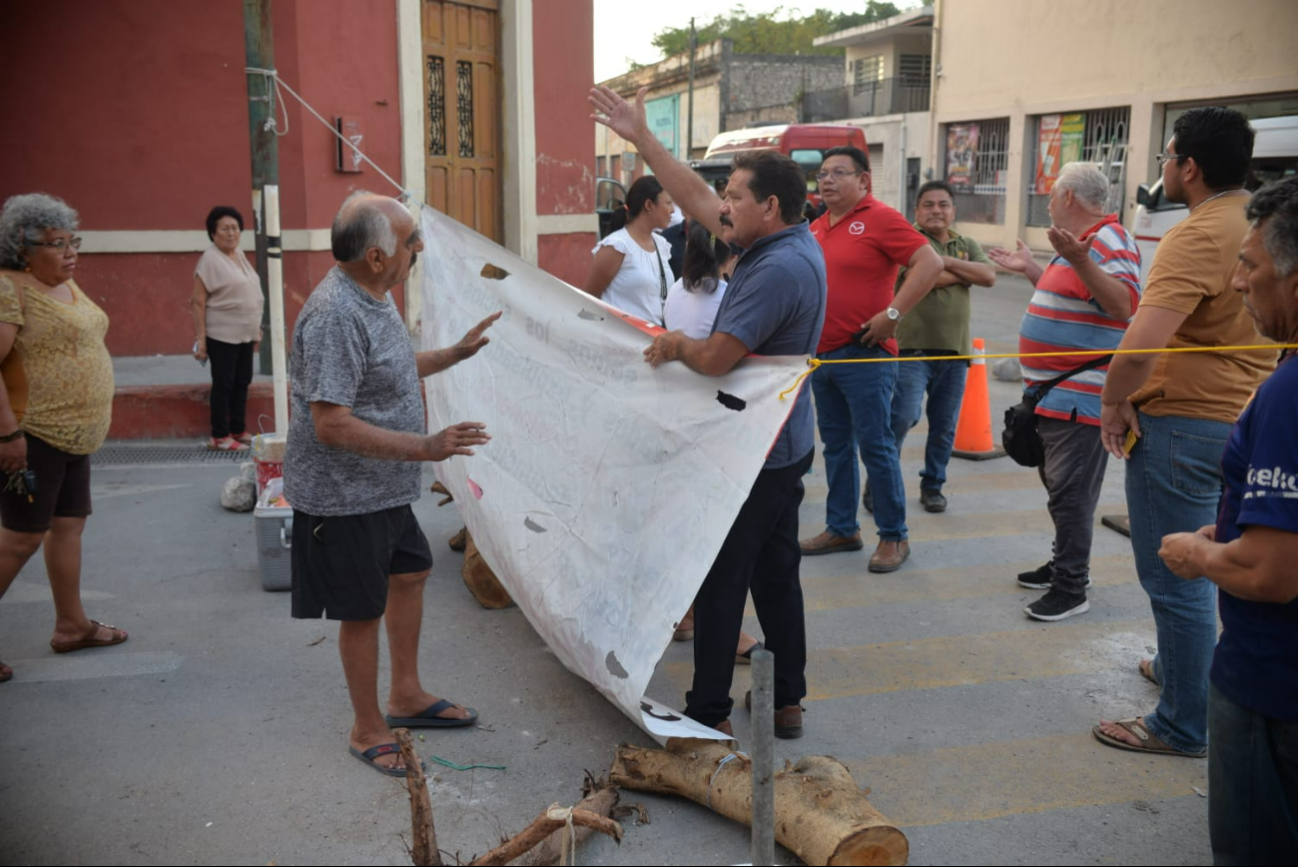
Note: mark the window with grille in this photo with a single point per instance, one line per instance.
(867, 72)
(1104, 143)
(915, 70)
(976, 168)
(436, 106)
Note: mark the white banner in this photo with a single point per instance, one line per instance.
(608, 486)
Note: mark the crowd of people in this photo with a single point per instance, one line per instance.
(1207, 437)
(1211, 461)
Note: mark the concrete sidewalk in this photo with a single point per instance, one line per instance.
(218, 733)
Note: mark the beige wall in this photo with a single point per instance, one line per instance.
(886, 174)
(1020, 58)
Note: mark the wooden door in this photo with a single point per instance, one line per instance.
(461, 89)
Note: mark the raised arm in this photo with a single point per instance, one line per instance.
(1112, 294)
(690, 191)
(1019, 261)
(437, 360)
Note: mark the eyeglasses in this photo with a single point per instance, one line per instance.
(836, 174)
(61, 245)
(1165, 158)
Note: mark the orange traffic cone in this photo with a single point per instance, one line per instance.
(973, 432)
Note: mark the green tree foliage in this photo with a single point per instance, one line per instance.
(773, 32)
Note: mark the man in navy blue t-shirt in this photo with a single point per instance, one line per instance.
(774, 305)
(1250, 555)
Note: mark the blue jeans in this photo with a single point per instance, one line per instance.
(1252, 785)
(944, 382)
(1173, 486)
(854, 413)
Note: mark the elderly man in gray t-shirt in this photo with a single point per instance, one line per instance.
(351, 470)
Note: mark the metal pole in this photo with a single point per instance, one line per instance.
(763, 826)
(689, 111)
(259, 51)
(275, 286)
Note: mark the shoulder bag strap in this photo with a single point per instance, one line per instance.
(662, 280)
(1098, 361)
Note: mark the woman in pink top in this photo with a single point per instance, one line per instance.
(227, 306)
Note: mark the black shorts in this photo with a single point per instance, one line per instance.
(341, 564)
(62, 489)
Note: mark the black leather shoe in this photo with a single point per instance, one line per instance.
(932, 500)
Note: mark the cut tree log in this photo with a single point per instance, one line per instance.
(601, 798)
(480, 580)
(553, 819)
(820, 813)
(424, 853)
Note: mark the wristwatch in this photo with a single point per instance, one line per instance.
(894, 314)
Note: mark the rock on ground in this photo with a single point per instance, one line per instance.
(239, 494)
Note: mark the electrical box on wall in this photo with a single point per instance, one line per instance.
(349, 127)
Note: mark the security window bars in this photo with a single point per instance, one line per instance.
(464, 105)
(436, 107)
(977, 161)
(1104, 143)
(915, 70)
(867, 72)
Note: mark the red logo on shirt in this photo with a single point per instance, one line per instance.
(857, 228)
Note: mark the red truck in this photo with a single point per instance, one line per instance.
(805, 143)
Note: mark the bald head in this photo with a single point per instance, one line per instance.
(365, 221)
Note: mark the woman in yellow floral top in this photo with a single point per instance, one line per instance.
(56, 403)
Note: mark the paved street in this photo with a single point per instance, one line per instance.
(217, 734)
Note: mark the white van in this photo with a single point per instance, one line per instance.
(1275, 156)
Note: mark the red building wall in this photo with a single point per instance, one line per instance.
(140, 122)
(562, 61)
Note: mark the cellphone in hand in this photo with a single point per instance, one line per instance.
(202, 361)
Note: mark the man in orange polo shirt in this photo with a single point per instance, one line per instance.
(864, 242)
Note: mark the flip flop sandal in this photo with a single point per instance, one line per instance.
(1146, 668)
(746, 658)
(88, 640)
(369, 756)
(430, 719)
(1149, 743)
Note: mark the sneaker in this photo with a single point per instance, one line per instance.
(932, 500)
(1057, 605)
(867, 499)
(226, 444)
(1039, 579)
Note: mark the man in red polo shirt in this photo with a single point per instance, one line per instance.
(865, 242)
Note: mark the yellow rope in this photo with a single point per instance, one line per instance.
(813, 363)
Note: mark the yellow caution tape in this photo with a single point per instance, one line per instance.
(813, 363)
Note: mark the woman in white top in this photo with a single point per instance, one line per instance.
(630, 270)
(227, 306)
(693, 300)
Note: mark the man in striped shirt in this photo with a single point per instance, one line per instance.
(1083, 301)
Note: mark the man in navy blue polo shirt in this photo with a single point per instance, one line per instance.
(1250, 554)
(775, 305)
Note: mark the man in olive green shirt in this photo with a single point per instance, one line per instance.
(939, 325)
